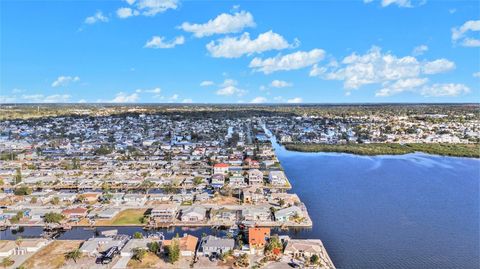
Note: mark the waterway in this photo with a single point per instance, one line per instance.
(408, 211)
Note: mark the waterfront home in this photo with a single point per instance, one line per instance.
(220, 168)
(75, 213)
(95, 245)
(204, 196)
(193, 214)
(187, 244)
(277, 178)
(257, 238)
(286, 214)
(223, 214)
(89, 197)
(159, 197)
(255, 177)
(107, 213)
(117, 198)
(211, 245)
(237, 181)
(68, 197)
(257, 214)
(164, 213)
(217, 180)
(135, 199)
(252, 195)
(305, 248)
(132, 244)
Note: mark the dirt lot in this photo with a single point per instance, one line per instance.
(52, 256)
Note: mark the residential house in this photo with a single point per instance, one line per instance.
(187, 244)
(75, 213)
(212, 245)
(255, 214)
(217, 180)
(164, 213)
(306, 248)
(255, 177)
(277, 178)
(220, 168)
(193, 214)
(286, 213)
(257, 237)
(252, 195)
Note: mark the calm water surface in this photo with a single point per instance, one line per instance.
(409, 211)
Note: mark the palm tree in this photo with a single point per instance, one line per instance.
(74, 255)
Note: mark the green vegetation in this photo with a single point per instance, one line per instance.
(139, 254)
(458, 150)
(17, 218)
(53, 217)
(23, 190)
(7, 262)
(18, 176)
(173, 251)
(128, 217)
(138, 235)
(73, 255)
(154, 247)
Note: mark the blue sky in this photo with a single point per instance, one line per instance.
(240, 51)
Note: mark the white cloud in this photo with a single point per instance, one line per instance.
(295, 100)
(82, 101)
(155, 90)
(234, 47)
(187, 101)
(459, 34)
(438, 66)
(296, 60)
(229, 87)
(125, 12)
(222, 24)
(375, 67)
(158, 42)
(400, 86)
(206, 83)
(98, 17)
(258, 100)
(280, 84)
(420, 50)
(447, 89)
(65, 80)
(174, 97)
(476, 74)
(146, 8)
(7, 99)
(40, 98)
(125, 98)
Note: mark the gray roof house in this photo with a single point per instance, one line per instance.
(215, 245)
(193, 214)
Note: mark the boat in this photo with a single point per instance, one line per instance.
(109, 232)
(15, 227)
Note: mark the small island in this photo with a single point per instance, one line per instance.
(457, 150)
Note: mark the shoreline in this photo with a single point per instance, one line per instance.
(439, 149)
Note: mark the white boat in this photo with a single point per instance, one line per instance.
(109, 232)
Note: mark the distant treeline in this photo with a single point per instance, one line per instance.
(457, 150)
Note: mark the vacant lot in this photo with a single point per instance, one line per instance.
(52, 256)
(126, 217)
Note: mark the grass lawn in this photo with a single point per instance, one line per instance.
(125, 217)
(53, 255)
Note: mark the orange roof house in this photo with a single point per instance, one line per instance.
(257, 237)
(75, 212)
(187, 244)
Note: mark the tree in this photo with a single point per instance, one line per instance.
(73, 255)
(173, 251)
(274, 244)
(6, 262)
(197, 181)
(53, 217)
(154, 247)
(138, 235)
(33, 200)
(55, 201)
(314, 259)
(23, 190)
(17, 217)
(18, 176)
(139, 254)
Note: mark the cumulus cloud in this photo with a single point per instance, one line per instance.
(146, 8)
(460, 34)
(400, 86)
(438, 66)
(296, 60)
(187, 101)
(420, 50)
(122, 97)
(280, 84)
(158, 42)
(206, 83)
(295, 100)
(447, 89)
(222, 24)
(98, 17)
(125, 12)
(234, 47)
(258, 100)
(65, 80)
(476, 74)
(229, 87)
(375, 67)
